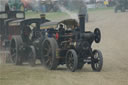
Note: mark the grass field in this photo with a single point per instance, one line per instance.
(59, 15)
(51, 16)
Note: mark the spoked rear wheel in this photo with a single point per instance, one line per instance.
(32, 56)
(49, 53)
(97, 61)
(72, 60)
(14, 50)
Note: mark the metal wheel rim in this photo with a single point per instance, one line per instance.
(47, 54)
(70, 60)
(97, 61)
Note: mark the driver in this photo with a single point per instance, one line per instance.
(61, 29)
(26, 34)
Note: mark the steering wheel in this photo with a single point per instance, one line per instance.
(97, 35)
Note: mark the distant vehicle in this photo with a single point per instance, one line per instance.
(121, 5)
(16, 5)
(34, 5)
(22, 5)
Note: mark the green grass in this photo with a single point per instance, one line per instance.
(51, 15)
(100, 9)
(59, 15)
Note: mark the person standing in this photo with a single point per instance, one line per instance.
(7, 9)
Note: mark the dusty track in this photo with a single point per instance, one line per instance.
(114, 46)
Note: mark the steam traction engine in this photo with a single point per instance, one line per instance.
(68, 43)
(26, 47)
(121, 5)
(56, 43)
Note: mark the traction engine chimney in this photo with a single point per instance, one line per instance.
(82, 22)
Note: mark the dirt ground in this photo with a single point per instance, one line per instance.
(114, 46)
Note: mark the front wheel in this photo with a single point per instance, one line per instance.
(72, 60)
(97, 61)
